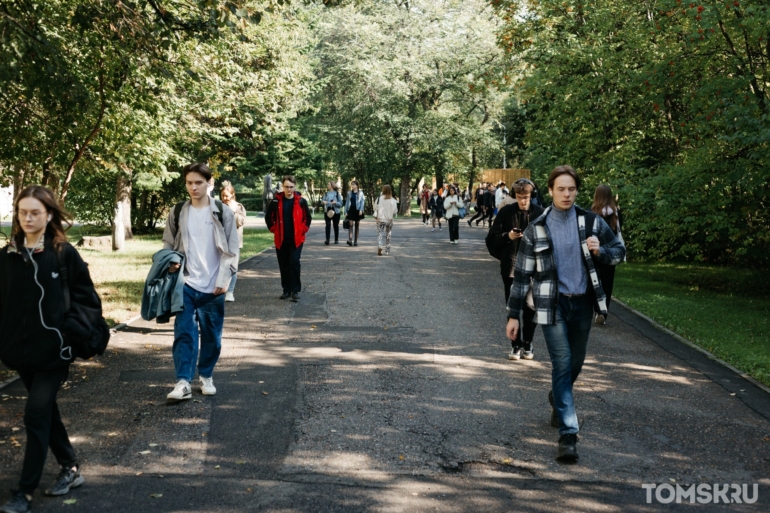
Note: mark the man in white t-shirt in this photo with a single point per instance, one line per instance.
(205, 232)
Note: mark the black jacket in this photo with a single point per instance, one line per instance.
(488, 200)
(25, 344)
(436, 205)
(499, 244)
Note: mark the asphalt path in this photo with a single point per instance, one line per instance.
(387, 388)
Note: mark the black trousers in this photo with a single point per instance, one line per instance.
(607, 278)
(488, 215)
(528, 325)
(479, 215)
(288, 263)
(454, 228)
(44, 426)
(336, 222)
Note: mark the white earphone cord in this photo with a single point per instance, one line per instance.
(62, 349)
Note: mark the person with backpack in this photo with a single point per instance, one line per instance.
(604, 206)
(288, 218)
(385, 209)
(332, 202)
(556, 261)
(452, 205)
(503, 242)
(227, 195)
(39, 332)
(204, 231)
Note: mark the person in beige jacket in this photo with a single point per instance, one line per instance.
(385, 209)
(227, 194)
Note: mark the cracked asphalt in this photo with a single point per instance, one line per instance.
(387, 389)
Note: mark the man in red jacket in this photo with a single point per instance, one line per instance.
(288, 217)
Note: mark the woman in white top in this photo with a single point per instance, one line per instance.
(385, 209)
(452, 204)
(227, 194)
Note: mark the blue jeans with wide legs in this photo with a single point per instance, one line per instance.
(204, 315)
(566, 341)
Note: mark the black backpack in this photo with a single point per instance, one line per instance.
(90, 320)
(178, 211)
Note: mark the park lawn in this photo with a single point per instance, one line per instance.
(723, 310)
(119, 276)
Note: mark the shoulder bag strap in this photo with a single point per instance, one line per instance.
(65, 285)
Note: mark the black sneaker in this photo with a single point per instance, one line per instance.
(515, 353)
(527, 353)
(68, 478)
(285, 295)
(326, 242)
(567, 449)
(295, 297)
(16, 504)
(554, 416)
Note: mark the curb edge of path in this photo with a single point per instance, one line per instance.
(693, 345)
(124, 325)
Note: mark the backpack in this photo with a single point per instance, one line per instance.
(99, 333)
(178, 211)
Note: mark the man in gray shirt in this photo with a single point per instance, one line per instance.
(556, 258)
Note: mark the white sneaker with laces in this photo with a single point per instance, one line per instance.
(181, 392)
(207, 386)
(229, 297)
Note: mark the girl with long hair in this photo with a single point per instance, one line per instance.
(604, 206)
(385, 210)
(354, 211)
(227, 195)
(452, 204)
(36, 333)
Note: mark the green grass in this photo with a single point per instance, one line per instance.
(119, 276)
(723, 310)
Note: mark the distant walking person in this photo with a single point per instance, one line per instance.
(452, 204)
(489, 205)
(289, 218)
(436, 208)
(479, 198)
(385, 209)
(556, 260)
(354, 211)
(503, 242)
(203, 230)
(227, 195)
(36, 333)
(604, 206)
(425, 204)
(332, 202)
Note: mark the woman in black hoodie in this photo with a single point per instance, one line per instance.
(503, 242)
(36, 333)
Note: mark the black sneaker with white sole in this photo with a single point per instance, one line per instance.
(69, 477)
(18, 503)
(527, 353)
(515, 353)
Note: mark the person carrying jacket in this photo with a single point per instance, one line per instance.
(206, 233)
(37, 334)
(556, 260)
(503, 242)
(288, 218)
(332, 201)
(163, 295)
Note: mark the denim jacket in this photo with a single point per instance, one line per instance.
(359, 201)
(332, 196)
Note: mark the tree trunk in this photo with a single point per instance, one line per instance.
(472, 176)
(18, 182)
(50, 179)
(405, 207)
(118, 229)
(123, 197)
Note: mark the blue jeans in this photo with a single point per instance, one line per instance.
(205, 314)
(566, 341)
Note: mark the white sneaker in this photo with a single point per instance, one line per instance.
(181, 391)
(207, 386)
(229, 297)
(433, 230)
